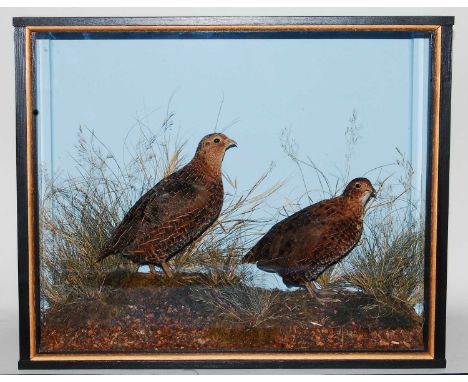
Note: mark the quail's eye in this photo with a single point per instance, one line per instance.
(358, 185)
(216, 140)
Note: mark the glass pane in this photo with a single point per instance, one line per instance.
(309, 112)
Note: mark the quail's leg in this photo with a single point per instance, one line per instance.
(166, 269)
(312, 289)
(319, 295)
(151, 268)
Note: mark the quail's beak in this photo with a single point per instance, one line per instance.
(230, 143)
(373, 193)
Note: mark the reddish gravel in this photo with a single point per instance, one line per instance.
(161, 318)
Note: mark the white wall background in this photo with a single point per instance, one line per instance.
(457, 299)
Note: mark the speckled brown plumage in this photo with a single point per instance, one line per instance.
(176, 211)
(302, 246)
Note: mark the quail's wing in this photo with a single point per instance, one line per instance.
(312, 246)
(124, 233)
(336, 241)
(173, 197)
(176, 216)
(285, 234)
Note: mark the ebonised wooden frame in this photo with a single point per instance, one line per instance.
(440, 31)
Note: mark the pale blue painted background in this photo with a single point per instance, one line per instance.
(310, 86)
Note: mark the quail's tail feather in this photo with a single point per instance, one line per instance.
(102, 255)
(249, 257)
